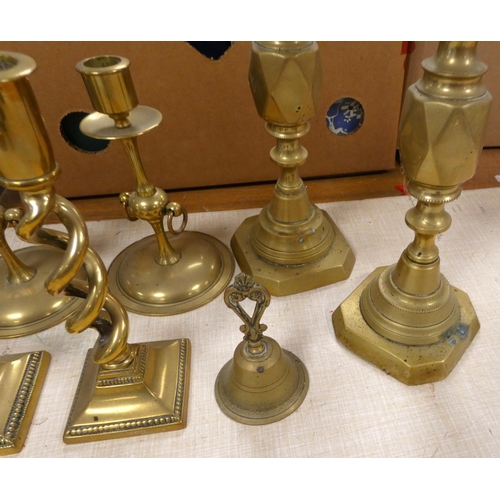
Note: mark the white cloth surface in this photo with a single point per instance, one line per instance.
(353, 409)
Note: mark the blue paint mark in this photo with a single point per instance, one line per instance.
(462, 330)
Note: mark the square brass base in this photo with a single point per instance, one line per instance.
(150, 396)
(412, 365)
(21, 381)
(286, 280)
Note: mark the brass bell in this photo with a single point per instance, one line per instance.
(262, 383)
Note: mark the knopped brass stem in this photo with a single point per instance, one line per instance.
(290, 201)
(150, 208)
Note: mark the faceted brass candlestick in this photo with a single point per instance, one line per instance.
(262, 383)
(125, 389)
(157, 275)
(407, 319)
(292, 246)
(26, 306)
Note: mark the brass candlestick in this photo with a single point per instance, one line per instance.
(407, 319)
(262, 383)
(157, 275)
(125, 389)
(26, 306)
(292, 246)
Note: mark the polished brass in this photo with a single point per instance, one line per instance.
(292, 246)
(262, 383)
(26, 306)
(125, 388)
(21, 381)
(406, 318)
(157, 275)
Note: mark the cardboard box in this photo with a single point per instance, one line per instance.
(489, 53)
(211, 134)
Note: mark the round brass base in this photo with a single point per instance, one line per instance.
(408, 318)
(262, 389)
(145, 287)
(410, 364)
(27, 308)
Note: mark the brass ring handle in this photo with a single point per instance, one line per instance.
(173, 209)
(124, 198)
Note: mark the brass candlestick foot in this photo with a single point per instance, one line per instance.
(21, 381)
(410, 364)
(262, 383)
(153, 402)
(281, 280)
(27, 308)
(407, 319)
(144, 287)
(156, 276)
(292, 246)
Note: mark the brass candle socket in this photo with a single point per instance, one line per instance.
(157, 275)
(262, 383)
(406, 318)
(292, 246)
(152, 378)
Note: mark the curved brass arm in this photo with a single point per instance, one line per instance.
(112, 345)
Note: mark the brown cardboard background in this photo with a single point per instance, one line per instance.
(211, 134)
(488, 52)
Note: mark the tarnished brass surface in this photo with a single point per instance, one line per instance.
(161, 370)
(156, 276)
(262, 383)
(410, 364)
(407, 319)
(292, 246)
(21, 381)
